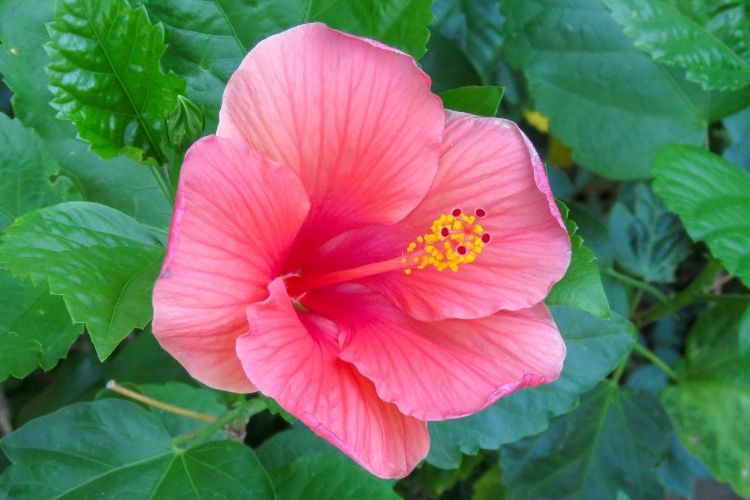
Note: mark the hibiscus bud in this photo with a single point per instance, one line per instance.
(184, 123)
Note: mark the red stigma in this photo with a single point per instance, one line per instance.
(456, 212)
(461, 250)
(486, 237)
(445, 232)
(480, 212)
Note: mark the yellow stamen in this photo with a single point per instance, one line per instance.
(461, 238)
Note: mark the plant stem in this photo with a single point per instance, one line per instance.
(685, 297)
(251, 406)
(115, 387)
(641, 285)
(656, 360)
(617, 375)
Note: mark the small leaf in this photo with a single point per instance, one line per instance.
(482, 100)
(581, 286)
(112, 449)
(649, 241)
(184, 123)
(594, 347)
(710, 405)
(35, 328)
(613, 441)
(710, 39)
(106, 78)
(712, 198)
(101, 261)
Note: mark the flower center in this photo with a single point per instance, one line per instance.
(454, 239)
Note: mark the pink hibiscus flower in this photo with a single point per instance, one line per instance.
(359, 254)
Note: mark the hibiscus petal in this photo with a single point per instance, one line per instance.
(444, 369)
(486, 163)
(236, 215)
(356, 121)
(292, 357)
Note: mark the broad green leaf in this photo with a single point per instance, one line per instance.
(322, 476)
(712, 198)
(198, 399)
(121, 183)
(304, 466)
(613, 441)
(115, 449)
(27, 170)
(649, 241)
(738, 128)
(476, 99)
(474, 28)
(286, 446)
(581, 286)
(208, 39)
(709, 38)
(594, 345)
(35, 328)
(106, 78)
(710, 405)
(101, 261)
(607, 100)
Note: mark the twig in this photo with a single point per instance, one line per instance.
(114, 386)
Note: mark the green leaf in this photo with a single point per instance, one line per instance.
(476, 99)
(284, 447)
(712, 198)
(35, 328)
(475, 29)
(607, 100)
(710, 405)
(613, 441)
(709, 38)
(27, 170)
(112, 449)
(208, 39)
(101, 261)
(304, 466)
(120, 183)
(323, 476)
(106, 78)
(582, 284)
(594, 345)
(649, 241)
